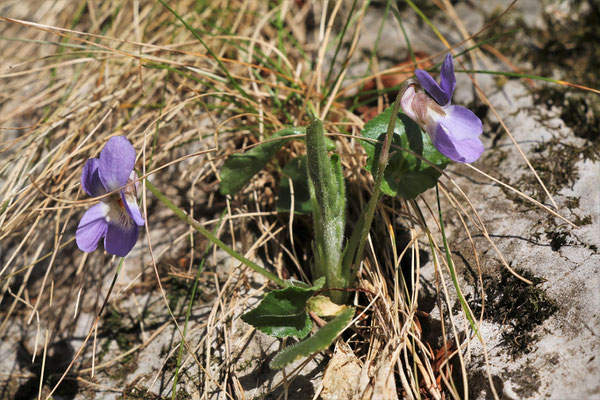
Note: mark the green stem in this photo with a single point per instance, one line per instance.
(189, 312)
(196, 225)
(463, 302)
(372, 204)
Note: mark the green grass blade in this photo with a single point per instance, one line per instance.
(426, 20)
(338, 47)
(189, 309)
(221, 65)
(406, 39)
(461, 298)
(511, 75)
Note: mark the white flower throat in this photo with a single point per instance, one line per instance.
(117, 213)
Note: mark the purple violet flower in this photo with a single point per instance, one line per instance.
(117, 217)
(454, 130)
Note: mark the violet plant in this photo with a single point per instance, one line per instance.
(442, 132)
(425, 137)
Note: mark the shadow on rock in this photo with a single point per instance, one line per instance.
(264, 379)
(59, 356)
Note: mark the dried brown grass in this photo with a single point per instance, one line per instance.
(81, 74)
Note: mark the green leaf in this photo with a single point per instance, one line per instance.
(282, 313)
(321, 340)
(406, 174)
(328, 198)
(318, 285)
(325, 173)
(330, 144)
(239, 168)
(296, 171)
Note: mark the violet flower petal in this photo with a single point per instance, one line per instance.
(448, 80)
(119, 240)
(471, 150)
(117, 160)
(461, 122)
(432, 87)
(92, 227)
(90, 180)
(464, 151)
(130, 204)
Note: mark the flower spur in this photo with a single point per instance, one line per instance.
(454, 130)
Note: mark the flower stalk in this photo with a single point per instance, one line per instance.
(369, 213)
(210, 236)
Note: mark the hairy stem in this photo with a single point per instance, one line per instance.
(210, 236)
(372, 204)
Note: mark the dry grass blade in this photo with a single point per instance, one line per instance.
(190, 83)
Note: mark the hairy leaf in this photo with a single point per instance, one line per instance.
(282, 313)
(321, 340)
(239, 168)
(406, 174)
(328, 198)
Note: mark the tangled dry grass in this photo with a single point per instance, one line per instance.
(186, 98)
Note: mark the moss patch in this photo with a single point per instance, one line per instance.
(114, 327)
(517, 306)
(556, 163)
(526, 381)
(580, 111)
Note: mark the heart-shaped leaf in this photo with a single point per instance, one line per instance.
(406, 174)
(282, 313)
(321, 340)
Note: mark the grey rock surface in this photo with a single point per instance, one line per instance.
(558, 357)
(548, 352)
(561, 362)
